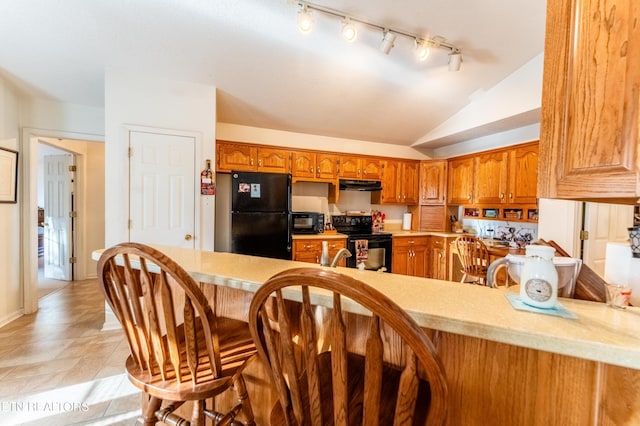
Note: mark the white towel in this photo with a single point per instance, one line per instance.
(362, 250)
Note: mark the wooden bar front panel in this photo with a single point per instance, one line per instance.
(489, 382)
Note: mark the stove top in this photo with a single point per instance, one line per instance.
(356, 226)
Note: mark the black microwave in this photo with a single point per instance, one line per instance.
(307, 222)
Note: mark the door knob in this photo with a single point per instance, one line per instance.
(188, 237)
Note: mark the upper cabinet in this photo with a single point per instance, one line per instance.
(400, 183)
(490, 181)
(314, 166)
(461, 175)
(238, 156)
(503, 176)
(523, 174)
(589, 135)
(433, 182)
(364, 168)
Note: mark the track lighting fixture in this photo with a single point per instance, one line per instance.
(305, 20)
(387, 42)
(455, 59)
(349, 32)
(422, 49)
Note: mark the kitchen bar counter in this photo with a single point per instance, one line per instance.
(599, 334)
(509, 366)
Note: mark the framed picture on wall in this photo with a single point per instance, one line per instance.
(8, 176)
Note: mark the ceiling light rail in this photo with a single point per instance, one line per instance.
(422, 43)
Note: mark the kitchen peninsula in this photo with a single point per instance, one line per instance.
(509, 366)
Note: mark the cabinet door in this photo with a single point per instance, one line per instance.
(438, 258)
(349, 167)
(303, 164)
(236, 157)
(523, 175)
(433, 218)
(326, 166)
(390, 193)
(307, 250)
(460, 186)
(409, 181)
(400, 260)
(420, 261)
(334, 247)
(589, 134)
(371, 168)
(490, 181)
(273, 160)
(433, 182)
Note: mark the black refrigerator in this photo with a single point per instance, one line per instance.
(261, 214)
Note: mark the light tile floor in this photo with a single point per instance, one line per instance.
(58, 368)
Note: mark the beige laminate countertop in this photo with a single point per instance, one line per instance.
(422, 234)
(600, 333)
(323, 236)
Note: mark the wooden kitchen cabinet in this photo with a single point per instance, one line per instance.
(460, 180)
(490, 178)
(314, 166)
(310, 249)
(364, 168)
(273, 160)
(589, 133)
(433, 182)
(244, 157)
(400, 183)
(410, 256)
(439, 257)
(523, 174)
(231, 156)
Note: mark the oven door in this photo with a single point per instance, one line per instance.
(377, 254)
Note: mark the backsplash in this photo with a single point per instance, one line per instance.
(312, 196)
(502, 230)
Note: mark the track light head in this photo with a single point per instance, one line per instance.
(387, 42)
(455, 59)
(305, 20)
(349, 31)
(422, 49)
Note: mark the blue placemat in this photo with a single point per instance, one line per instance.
(559, 310)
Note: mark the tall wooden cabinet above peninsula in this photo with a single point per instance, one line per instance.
(589, 135)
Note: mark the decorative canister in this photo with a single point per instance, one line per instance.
(539, 277)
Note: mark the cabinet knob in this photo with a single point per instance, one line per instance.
(502, 195)
(310, 169)
(318, 170)
(469, 197)
(251, 161)
(260, 162)
(511, 195)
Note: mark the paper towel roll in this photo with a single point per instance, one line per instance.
(406, 221)
(623, 269)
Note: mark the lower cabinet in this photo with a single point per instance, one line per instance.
(410, 256)
(421, 256)
(310, 249)
(439, 258)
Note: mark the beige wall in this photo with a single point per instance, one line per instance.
(11, 302)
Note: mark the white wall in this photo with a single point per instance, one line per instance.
(238, 133)
(11, 302)
(132, 99)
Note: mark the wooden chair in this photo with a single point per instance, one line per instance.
(180, 350)
(474, 258)
(330, 366)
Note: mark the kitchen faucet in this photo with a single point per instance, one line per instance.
(343, 252)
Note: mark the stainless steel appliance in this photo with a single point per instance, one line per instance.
(260, 215)
(360, 238)
(307, 222)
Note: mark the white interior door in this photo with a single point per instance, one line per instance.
(58, 205)
(162, 189)
(604, 223)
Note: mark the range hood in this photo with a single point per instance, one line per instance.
(360, 185)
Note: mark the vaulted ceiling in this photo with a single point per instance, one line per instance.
(267, 73)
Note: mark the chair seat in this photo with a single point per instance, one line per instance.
(236, 347)
(355, 368)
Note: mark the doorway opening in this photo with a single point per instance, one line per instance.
(70, 200)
